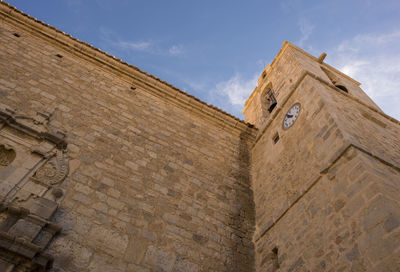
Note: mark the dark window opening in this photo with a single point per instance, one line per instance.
(59, 56)
(268, 101)
(271, 100)
(274, 259)
(335, 79)
(264, 75)
(16, 35)
(343, 88)
(276, 138)
(133, 88)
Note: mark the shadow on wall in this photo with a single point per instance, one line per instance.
(243, 220)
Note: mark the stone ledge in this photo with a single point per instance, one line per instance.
(26, 235)
(20, 247)
(33, 127)
(324, 171)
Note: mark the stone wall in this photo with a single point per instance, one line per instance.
(343, 223)
(128, 173)
(283, 172)
(325, 191)
(281, 76)
(154, 185)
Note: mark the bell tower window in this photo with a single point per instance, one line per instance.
(268, 101)
(343, 88)
(334, 79)
(271, 101)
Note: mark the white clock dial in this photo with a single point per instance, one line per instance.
(291, 116)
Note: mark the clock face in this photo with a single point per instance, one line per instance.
(291, 116)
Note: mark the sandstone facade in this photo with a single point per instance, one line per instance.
(326, 193)
(106, 168)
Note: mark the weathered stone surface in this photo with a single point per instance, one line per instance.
(183, 265)
(41, 207)
(159, 181)
(159, 260)
(391, 223)
(325, 193)
(143, 170)
(353, 253)
(109, 239)
(136, 250)
(103, 263)
(26, 229)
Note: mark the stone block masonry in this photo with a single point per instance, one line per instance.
(326, 192)
(106, 168)
(153, 185)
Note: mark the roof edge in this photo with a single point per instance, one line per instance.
(273, 64)
(66, 41)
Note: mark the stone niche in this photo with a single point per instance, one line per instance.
(33, 166)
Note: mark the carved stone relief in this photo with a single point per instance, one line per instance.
(39, 126)
(54, 171)
(26, 210)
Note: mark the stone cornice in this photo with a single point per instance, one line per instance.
(22, 246)
(38, 127)
(128, 72)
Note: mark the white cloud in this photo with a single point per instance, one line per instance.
(374, 60)
(306, 29)
(232, 93)
(140, 46)
(114, 42)
(175, 50)
(237, 89)
(153, 48)
(368, 42)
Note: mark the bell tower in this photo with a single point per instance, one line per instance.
(325, 170)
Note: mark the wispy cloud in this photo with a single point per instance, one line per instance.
(140, 46)
(147, 46)
(306, 29)
(175, 50)
(370, 41)
(232, 93)
(374, 60)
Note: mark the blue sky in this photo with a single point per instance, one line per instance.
(216, 49)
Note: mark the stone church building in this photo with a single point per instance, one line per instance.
(104, 167)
